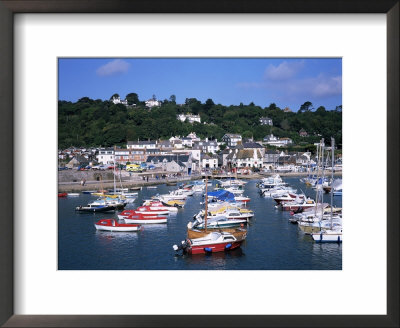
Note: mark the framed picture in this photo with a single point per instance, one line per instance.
(12, 173)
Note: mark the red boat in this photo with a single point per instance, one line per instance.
(211, 243)
(62, 194)
(143, 210)
(145, 219)
(113, 225)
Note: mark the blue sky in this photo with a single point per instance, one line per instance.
(284, 81)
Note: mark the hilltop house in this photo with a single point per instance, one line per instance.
(231, 139)
(152, 103)
(189, 118)
(303, 133)
(117, 100)
(265, 121)
(274, 141)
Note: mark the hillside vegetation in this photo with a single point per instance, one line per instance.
(89, 122)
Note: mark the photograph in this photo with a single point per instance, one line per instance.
(199, 163)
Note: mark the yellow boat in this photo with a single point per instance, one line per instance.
(100, 194)
(175, 201)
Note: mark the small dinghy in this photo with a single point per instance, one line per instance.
(151, 187)
(113, 225)
(73, 194)
(62, 194)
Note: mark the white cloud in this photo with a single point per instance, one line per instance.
(319, 87)
(284, 71)
(113, 67)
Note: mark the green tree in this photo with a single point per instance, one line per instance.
(172, 99)
(132, 98)
(306, 107)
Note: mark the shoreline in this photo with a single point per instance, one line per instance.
(75, 186)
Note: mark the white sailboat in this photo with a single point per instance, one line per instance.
(332, 234)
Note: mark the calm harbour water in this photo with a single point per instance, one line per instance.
(272, 242)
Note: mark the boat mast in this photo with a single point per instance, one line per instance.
(206, 209)
(333, 158)
(318, 162)
(115, 189)
(322, 178)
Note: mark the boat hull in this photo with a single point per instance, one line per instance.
(295, 207)
(239, 234)
(147, 220)
(214, 248)
(95, 209)
(117, 229)
(327, 238)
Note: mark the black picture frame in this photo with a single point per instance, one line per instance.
(10, 7)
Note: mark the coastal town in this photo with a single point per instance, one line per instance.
(151, 184)
(190, 155)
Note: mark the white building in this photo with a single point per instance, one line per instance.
(188, 142)
(266, 121)
(209, 161)
(189, 118)
(193, 136)
(105, 156)
(232, 139)
(151, 144)
(117, 100)
(207, 146)
(277, 142)
(194, 152)
(245, 158)
(152, 103)
(177, 144)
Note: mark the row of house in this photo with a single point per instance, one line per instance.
(249, 154)
(186, 153)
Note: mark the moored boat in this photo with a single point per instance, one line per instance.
(113, 225)
(298, 206)
(216, 223)
(328, 236)
(211, 243)
(95, 208)
(239, 233)
(145, 219)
